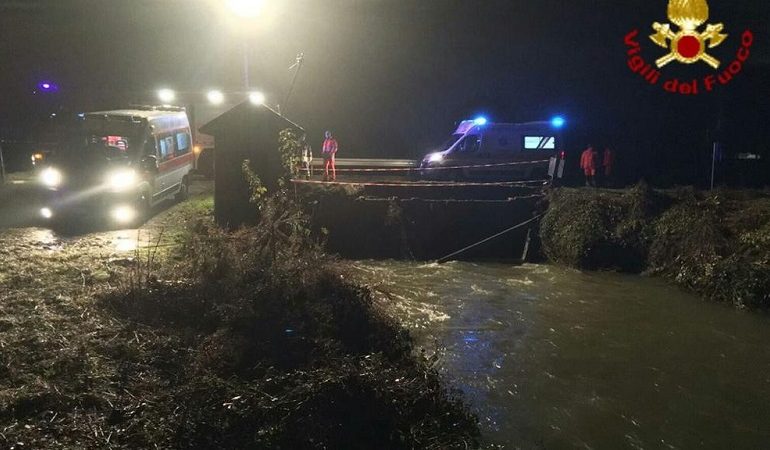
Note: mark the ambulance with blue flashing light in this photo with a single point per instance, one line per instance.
(507, 151)
(119, 164)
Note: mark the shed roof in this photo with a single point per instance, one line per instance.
(244, 109)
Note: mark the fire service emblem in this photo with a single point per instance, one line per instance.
(687, 41)
(688, 45)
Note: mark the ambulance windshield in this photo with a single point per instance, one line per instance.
(451, 141)
(113, 139)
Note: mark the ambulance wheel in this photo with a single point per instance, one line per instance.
(184, 190)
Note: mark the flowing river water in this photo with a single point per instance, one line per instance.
(555, 358)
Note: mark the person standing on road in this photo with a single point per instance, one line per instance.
(588, 161)
(329, 151)
(608, 161)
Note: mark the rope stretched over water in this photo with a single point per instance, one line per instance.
(463, 250)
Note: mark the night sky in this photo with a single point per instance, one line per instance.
(392, 77)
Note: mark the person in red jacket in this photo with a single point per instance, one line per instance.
(328, 151)
(588, 162)
(607, 163)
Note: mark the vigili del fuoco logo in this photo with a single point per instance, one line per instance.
(688, 42)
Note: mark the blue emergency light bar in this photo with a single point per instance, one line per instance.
(47, 86)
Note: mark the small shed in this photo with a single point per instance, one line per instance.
(245, 132)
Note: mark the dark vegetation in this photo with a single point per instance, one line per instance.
(717, 243)
(282, 351)
(208, 339)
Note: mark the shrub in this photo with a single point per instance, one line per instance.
(688, 243)
(591, 230)
(285, 353)
(716, 244)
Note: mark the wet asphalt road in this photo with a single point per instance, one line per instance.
(22, 227)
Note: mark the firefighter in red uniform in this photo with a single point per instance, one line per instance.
(607, 162)
(328, 151)
(588, 161)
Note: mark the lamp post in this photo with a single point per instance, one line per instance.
(246, 65)
(246, 11)
(2, 166)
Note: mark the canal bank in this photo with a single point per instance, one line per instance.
(714, 243)
(422, 223)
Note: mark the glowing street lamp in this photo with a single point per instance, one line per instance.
(257, 98)
(245, 9)
(215, 97)
(166, 95)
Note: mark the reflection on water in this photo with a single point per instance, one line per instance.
(44, 238)
(124, 243)
(115, 242)
(555, 358)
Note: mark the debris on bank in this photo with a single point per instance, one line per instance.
(715, 243)
(239, 340)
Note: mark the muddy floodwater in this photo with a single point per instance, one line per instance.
(558, 359)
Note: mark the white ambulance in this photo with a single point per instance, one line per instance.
(119, 164)
(510, 151)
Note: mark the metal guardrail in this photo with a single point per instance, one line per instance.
(369, 163)
(405, 165)
(361, 165)
(532, 184)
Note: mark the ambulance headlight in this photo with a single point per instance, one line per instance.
(50, 177)
(123, 214)
(122, 180)
(435, 157)
(46, 213)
